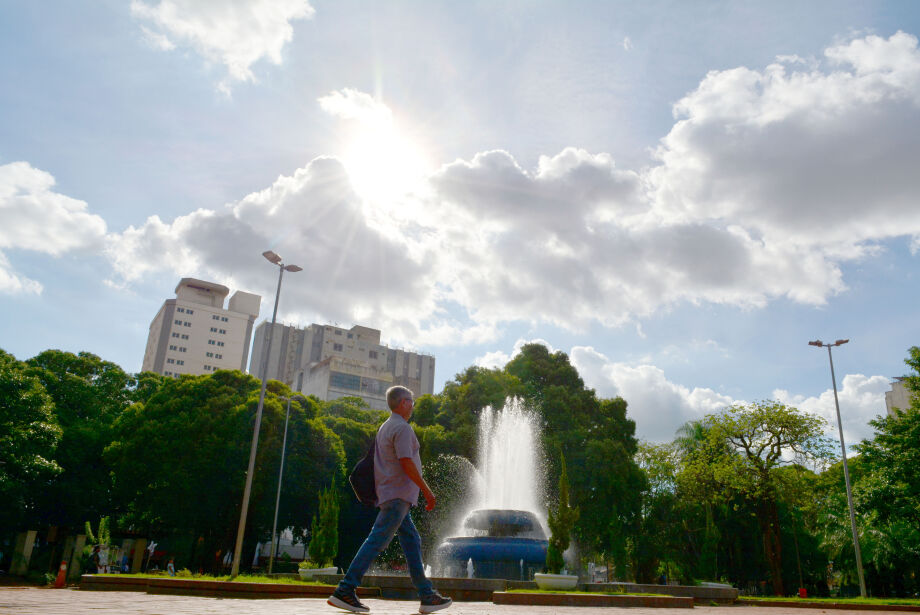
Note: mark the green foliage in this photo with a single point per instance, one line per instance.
(561, 521)
(181, 459)
(89, 394)
(325, 542)
(102, 536)
(734, 458)
(29, 436)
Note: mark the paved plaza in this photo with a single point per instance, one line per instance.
(40, 601)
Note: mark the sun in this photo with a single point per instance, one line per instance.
(382, 162)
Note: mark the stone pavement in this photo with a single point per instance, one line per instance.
(42, 601)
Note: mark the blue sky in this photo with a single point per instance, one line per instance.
(679, 195)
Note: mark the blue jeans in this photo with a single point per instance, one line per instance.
(392, 518)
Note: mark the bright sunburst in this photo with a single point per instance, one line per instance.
(382, 160)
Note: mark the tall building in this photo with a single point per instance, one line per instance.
(194, 334)
(897, 397)
(332, 362)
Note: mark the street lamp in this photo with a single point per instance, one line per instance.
(237, 551)
(287, 416)
(846, 470)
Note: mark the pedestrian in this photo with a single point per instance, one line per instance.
(397, 480)
(94, 561)
(171, 567)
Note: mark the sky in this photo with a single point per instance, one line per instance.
(677, 195)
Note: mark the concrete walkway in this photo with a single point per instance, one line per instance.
(39, 601)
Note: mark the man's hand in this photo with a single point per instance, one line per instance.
(429, 500)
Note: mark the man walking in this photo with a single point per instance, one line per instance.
(397, 479)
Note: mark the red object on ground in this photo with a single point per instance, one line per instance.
(803, 593)
(61, 579)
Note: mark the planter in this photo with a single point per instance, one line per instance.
(555, 581)
(306, 574)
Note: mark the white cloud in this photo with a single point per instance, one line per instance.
(235, 33)
(658, 405)
(627, 44)
(37, 219)
(497, 359)
(862, 398)
(351, 104)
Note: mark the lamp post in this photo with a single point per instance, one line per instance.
(846, 470)
(271, 558)
(238, 549)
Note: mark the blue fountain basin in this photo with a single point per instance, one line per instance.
(492, 557)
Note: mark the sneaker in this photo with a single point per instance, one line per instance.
(348, 602)
(434, 602)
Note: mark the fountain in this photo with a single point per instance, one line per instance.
(501, 534)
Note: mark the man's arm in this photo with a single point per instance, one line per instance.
(412, 472)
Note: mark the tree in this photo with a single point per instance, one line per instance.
(745, 447)
(599, 441)
(29, 435)
(180, 460)
(89, 394)
(561, 521)
(325, 528)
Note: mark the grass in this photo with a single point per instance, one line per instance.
(243, 578)
(892, 601)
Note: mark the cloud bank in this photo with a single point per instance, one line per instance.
(768, 181)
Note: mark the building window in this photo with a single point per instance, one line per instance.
(337, 347)
(207, 368)
(222, 331)
(213, 329)
(211, 342)
(175, 335)
(224, 319)
(345, 381)
(209, 354)
(189, 311)
(350, 336)
(338, 332)
(215, 317)
(182, 348)
(220, 343)
(372, 354)
(180, 310)
(180, 362)
(171, 347)
(167, 373)
(170, 360)
(178, 322)
(186, 324)
(220, 356)
(184, 336)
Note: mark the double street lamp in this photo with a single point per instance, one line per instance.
(237, 551)
(846, 470)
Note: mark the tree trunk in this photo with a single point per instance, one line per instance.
(769, 525)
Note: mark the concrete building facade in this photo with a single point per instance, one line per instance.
(897, 397)
(332, 362)
(195, 334)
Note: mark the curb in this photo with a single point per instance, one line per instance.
(221, 589)
(844, 606)
(596, 600)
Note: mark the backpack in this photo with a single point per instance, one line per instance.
(362, 478)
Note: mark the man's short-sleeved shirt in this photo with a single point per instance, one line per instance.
(395, 440)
